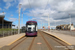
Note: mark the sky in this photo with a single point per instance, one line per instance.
(58, 11)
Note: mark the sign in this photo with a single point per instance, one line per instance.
(48, 26)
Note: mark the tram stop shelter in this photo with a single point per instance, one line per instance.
(4, 23)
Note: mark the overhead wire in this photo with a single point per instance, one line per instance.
(46, 4)
(48, 12)
(30, 6)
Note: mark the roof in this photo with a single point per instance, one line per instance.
(31, 21)
(2, 18)
(13, 25)
(7, 21)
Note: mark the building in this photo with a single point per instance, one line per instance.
(23, 29)
(4, 23)
(65, 27)
(72, 27)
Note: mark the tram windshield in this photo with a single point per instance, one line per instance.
(31, 28)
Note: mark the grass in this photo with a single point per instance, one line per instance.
(7, 29)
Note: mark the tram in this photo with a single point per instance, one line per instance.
(31, 28)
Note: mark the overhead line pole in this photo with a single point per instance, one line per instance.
(19, 19)
(48, 23)
(55, 25)
(22, 18)
(70, 22)
(48, 18)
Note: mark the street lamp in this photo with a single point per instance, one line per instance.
(55, 25)
(22, 18)
(48, 23)
(19, 19)
(70, 22)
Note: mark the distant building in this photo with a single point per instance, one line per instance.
(72, 27)
(4, 23)
(65, 27)
(23, 29)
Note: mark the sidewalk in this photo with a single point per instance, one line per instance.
(67, 38)
(6, 40)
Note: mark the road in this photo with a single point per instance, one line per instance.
(41, 42)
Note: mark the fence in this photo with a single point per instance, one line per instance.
(7, 33)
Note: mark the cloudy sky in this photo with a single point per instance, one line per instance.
(58, 11)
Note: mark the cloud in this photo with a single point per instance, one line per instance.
(40, 12)
(7, 0)
(2, 13)
(32, 3)
(13, 19)
(58, 10)
(65, 5)
(9, 3)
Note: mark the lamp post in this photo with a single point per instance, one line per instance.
(19, 19)
(55, 25)
(48, 23)
(70, 22)
(22, 18)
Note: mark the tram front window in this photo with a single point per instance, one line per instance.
(31, 28)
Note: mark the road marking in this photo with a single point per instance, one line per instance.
(39, 43)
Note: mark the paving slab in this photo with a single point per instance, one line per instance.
(68, 38)
(9, 39)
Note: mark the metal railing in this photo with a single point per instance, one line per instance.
(7, 33)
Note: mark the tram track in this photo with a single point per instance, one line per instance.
(50, 48)
(43, 41)
(18, 43)
(58, 41)
(31, 44)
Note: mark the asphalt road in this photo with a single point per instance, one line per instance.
(41, 42)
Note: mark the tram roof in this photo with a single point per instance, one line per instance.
(31, 21)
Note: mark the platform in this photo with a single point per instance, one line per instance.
(7, 40)
(67, 38)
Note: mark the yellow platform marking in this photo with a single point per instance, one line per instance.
(59, 38)
(16, 40)
(0, 46)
